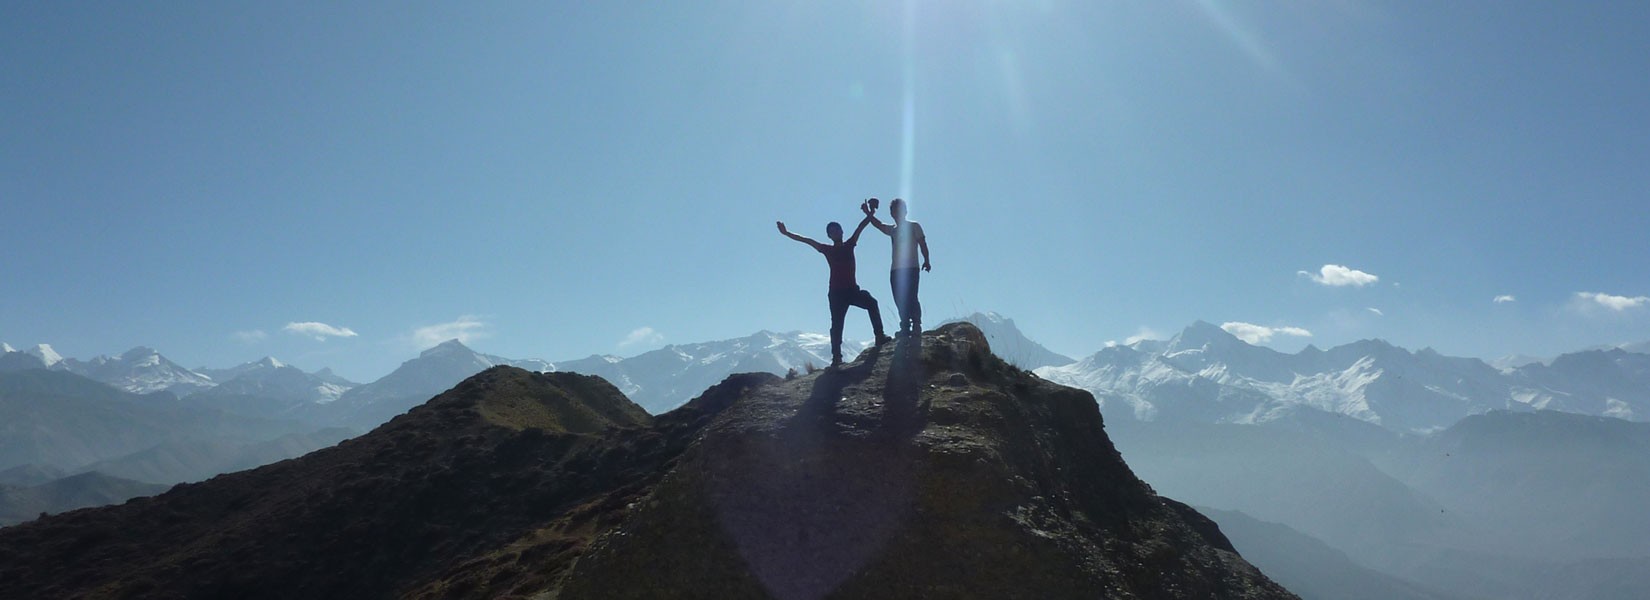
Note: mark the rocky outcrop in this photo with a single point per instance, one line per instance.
(943, 472)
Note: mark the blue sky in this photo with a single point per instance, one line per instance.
(559, 179)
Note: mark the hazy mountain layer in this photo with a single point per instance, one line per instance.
(64, 421)
(20, 504)
(199, 459)
(1309, 567)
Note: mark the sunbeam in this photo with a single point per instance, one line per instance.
(908, 142)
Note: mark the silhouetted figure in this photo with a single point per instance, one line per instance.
(844, 291)
(902, 276)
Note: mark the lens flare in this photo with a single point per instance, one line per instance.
(908, 129)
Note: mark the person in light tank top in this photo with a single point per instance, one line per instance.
(903, 273)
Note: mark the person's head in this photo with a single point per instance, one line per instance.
(897, 208)
(834, 229)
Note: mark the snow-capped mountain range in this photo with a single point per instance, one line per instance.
(143, 370)
(668, 377)
(268, 379)
(1205, 374)
(140, 370)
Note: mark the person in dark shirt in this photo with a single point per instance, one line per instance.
(844, 290)
(902, 274)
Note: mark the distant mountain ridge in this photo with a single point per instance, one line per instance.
(20, 504)
(1008, 342)
(1205, 374)
(54, 422)
(269, 388)
(432, 372)
(1202, 375)
(666, 378)
(141, 370)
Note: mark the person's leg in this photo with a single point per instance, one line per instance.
(839, 311)
(868, 302)
(896, 282)
(915, 307)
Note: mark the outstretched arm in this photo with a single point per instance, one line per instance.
(883, 227)
(803, 239)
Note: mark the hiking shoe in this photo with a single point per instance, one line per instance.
(883, 339)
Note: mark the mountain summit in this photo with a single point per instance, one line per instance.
(435, 370)
(933, 472)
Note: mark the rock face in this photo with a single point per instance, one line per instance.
(932, 472)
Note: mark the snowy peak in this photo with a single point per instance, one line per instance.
(267, 363)
(289, 387)
(1203, 335)
(1012, 345)
(140, 370)
(4, 348)
(46, 354)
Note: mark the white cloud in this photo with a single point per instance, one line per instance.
(1612, 302)
(1339, 276)
(1260, 334)
(1141, 335)
(1377, 311)
(249, 337)
(465, 329)
(645, 336)
(1504, 298)
(319, 331)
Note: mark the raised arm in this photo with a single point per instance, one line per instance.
(854, 239)
(799, 238)
(871, 217)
